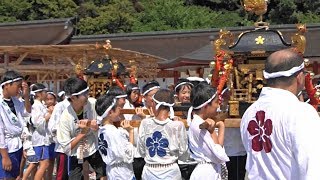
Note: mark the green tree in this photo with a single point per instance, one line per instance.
(113, 17)
(162, 15)
(48, 9)
(17, 10)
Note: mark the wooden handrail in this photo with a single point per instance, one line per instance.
(229, 122)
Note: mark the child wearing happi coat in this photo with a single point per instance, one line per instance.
(12, 125)
(77, 131)
(162, 141)
(115, 144)
(40, 137)
(205, 144)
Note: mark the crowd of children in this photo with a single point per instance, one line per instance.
(80, 131)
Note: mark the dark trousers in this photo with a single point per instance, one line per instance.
(237, 167)
(138, 164)
(186, 170)
(96, 162)
(62, 166)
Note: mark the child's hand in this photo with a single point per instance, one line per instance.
(50, 109)
(6, 163)
(208, 124)
(84, 125)
(94, 125)
(139, 112)
(125, 124)
(220, 124)
(25, 90)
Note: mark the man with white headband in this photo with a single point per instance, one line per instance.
(278, 131)
(76, 132)
(205, 144)
(161, 140)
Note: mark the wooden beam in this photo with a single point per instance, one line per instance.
(229, 123)
(21, 58)
(45, 76)
(41, 67)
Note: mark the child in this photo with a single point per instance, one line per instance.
(12, 123)
(50, 102)
(132, 91)
(183, 90)
(40, 138)
(76, 131)
(62, 158)
(205, 145)
(161, 140)
(114, 146)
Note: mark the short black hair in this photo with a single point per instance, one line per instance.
(285, 62)
(52, 93)
(74, 85)
(183, 80)
(103, 103)
(129, 88)
(201, 93)
(164, 95)
(37, 86)
(115, 91)
(10, 75)
(149, 85)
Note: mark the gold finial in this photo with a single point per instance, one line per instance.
(223, 35)
(299, 40)
(258, 7)
(107, 45)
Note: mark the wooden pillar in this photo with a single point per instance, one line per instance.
(176, 76)
(6, 60)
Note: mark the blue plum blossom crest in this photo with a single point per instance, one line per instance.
(157, 144)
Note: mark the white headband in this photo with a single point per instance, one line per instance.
(287, 73)
(121, 96)
(195, 79)
(38, 90)
(105, 114)
(78, 93)
(61, 93)
(182, 83)
(164, 104)
(147, 91)
(52, 93)
(198, 107)
(11, 81)
(135, 88)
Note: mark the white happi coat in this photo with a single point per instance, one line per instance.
(54, 121)
(11, 125)
(203, 150)
(68, 129)
(281, 135)
(40, 136)
(162, 142)
(116, 151)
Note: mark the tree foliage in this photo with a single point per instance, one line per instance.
(116, 16)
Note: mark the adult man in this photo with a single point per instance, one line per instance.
(279, 132)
